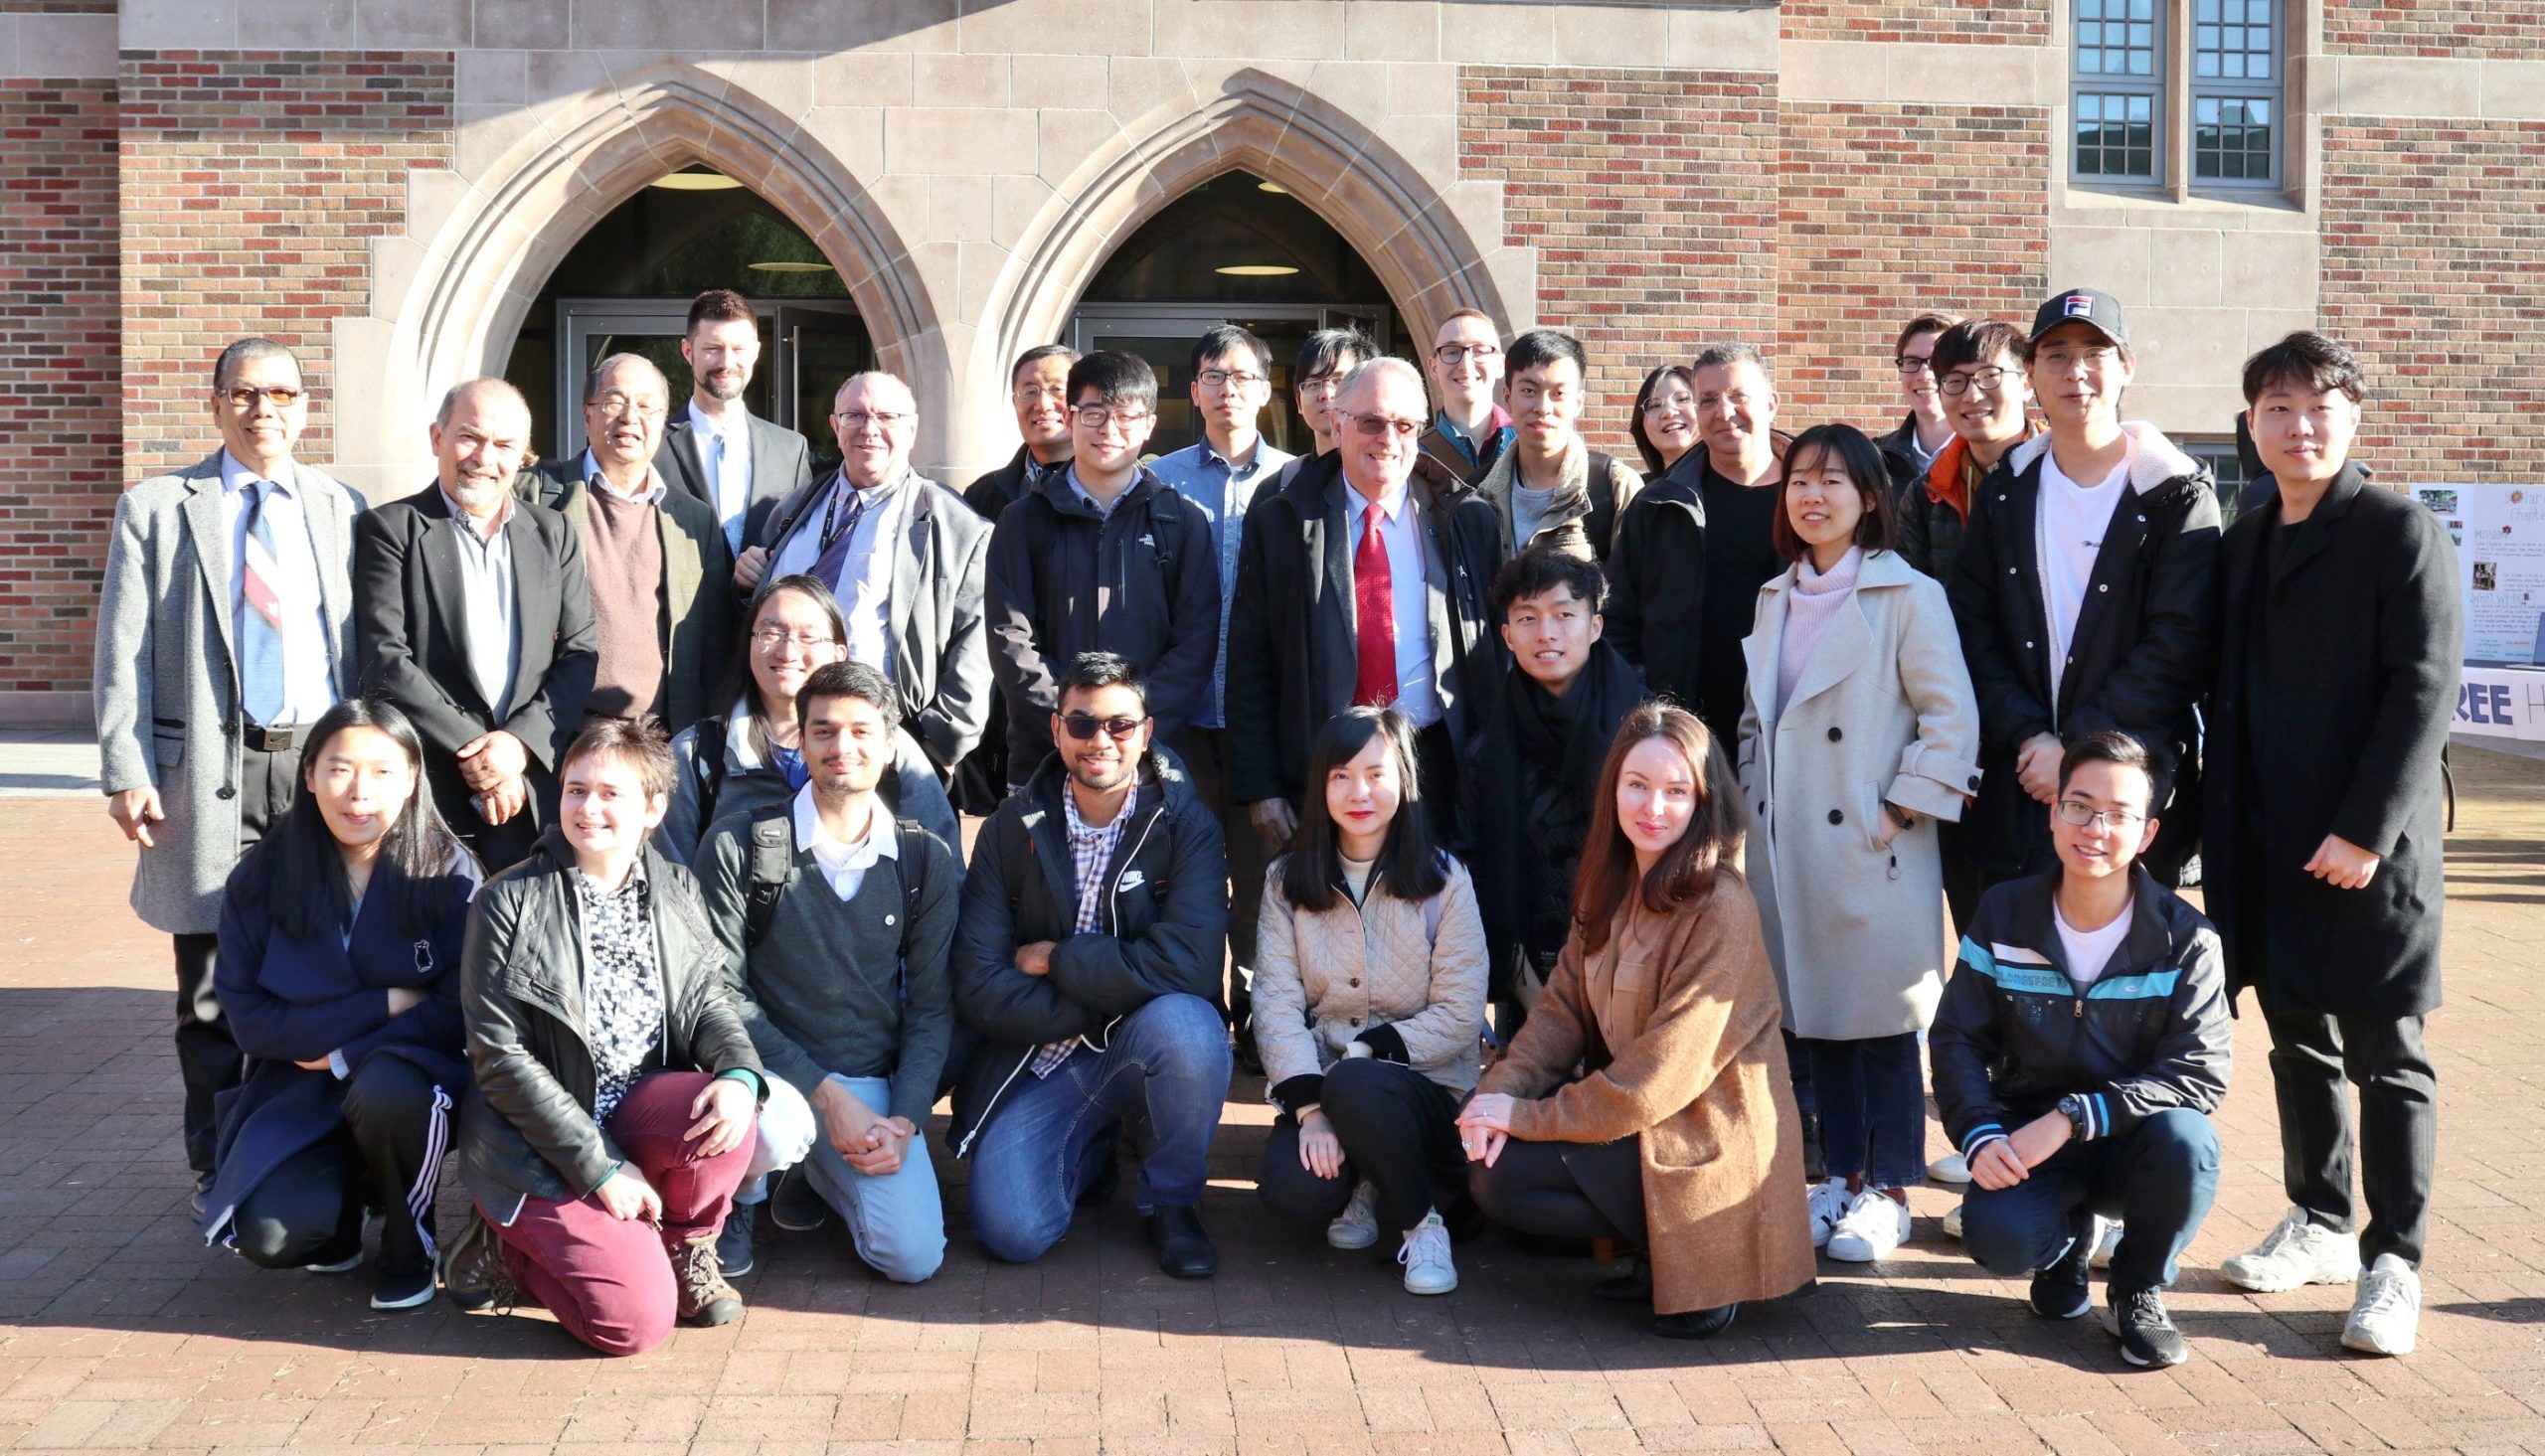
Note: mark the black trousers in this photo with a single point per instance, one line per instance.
(208, 1061)
(1205, 751)
(387, 1155)
(1565, 1189)
(2310, 1055)
(1399, 1133)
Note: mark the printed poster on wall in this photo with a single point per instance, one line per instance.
(2500, 532)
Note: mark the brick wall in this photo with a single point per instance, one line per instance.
(252, 184)
(1649, 197)
(2429, 227)
(2468, 30)
(2017, 23)
(1887, 211)
(61, 474)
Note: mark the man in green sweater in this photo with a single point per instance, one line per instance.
(837, 918)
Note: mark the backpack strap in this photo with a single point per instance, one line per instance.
(708, 765)
(1431, 917)
(1601, 523)
(772, 859)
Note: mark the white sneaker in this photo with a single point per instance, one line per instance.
(1948, 1169)
(1357, 1227)
(1425, 1257)
(2294, 1253)
(1827, 1204)
(1873, 1227)
(2107, 1241)
(2385, 1314)
(1952, 1222)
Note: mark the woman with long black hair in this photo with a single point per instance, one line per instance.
(1369, 999)
(338, 973)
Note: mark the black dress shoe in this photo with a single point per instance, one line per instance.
(1695, 1324)
(1631, 1287)
(1184, 1250)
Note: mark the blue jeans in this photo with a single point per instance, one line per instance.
(895, 1222)
(1872, 1100)
(2158, 1178)
(1161, 1077)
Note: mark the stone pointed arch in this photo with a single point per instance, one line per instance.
(1382, 204)
(519, 217)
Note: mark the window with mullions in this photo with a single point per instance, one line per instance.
(2167, 91)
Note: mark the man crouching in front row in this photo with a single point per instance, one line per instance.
(2078, 1053)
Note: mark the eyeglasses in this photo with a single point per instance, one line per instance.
(1913, 363)
(1034, 393)
(1228, 379)
(771, 639)
(1373, 426)
(1452, 353)
(282, 396)
(617, 407)
(2079, 813)
(2097, 358)
(1664, 404)
(1096, 416)
(860, 419)
(1082, 725)
(1987, 381)
(1321, 384)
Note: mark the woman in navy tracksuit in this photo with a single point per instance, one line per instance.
(338, 973)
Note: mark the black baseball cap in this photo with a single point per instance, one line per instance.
(2082, 306)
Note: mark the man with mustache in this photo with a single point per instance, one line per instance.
(472, 613)
(716, 451)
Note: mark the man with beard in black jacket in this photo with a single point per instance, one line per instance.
(1526, 804)
(1087, 959)
(2084, 591)
(1362, 580)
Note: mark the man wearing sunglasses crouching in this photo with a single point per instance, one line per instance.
(1087, 960)
(2078, 1054)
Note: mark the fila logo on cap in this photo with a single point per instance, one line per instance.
(2079, 305)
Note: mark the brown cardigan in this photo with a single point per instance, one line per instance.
(1704, 1082)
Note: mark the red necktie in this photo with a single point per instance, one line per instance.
(1374, 607)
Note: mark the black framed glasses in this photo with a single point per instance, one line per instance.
(2079, 813)
(1987, 381)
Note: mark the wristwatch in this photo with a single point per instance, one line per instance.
(2073, 1107)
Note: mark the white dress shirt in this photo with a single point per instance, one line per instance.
(1408, 588)
(844, 865)
(865, 584)
(726, 457)
(308, 662)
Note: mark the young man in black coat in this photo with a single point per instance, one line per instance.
(1087, 959)
(2084, 590)
(2339, 643)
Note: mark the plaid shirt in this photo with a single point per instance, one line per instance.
(1090, 850)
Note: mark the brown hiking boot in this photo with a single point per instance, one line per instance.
(473, 1271)
(705, 1297)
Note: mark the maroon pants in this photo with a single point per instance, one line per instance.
(609, 1280)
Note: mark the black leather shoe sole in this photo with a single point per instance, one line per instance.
(1695, 1324)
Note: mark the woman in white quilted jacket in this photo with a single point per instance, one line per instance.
(1369, 1002)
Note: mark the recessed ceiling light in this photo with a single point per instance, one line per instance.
(1276, 188)
(789, 268)
(1256, 270)
(696, 181)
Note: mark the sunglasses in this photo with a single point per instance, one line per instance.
(1082, 725)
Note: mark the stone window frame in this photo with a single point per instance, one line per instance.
(2173, 95)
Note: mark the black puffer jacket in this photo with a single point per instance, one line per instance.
(1166, 923)
(528, 1127)
(2014, 1034)
(2138, 660)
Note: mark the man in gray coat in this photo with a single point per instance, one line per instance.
(224, 630)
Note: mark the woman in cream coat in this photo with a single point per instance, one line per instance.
(1860, 731)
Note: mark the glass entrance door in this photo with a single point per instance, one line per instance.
(1163, 334)
(807, 349)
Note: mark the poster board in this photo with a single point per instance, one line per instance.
(2499, 531)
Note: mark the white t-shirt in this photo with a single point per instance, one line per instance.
(2088, 951)
(2072, 520)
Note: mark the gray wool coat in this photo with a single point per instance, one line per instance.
(167, 678)
(1884, 709)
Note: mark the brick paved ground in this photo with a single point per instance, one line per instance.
(118, 1330)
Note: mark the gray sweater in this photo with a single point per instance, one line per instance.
(856, 986)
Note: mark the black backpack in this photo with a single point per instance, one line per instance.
(1602, 524)
(772, 861)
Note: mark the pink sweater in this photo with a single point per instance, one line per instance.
(1809, 607)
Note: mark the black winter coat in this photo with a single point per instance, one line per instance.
(994, 493)
(1657, 581)
(1166, 923)
(527, 1129)
(2336, 680)
(1142, 582)
(1292, 660)
(2014, 1034)
(2138, 660)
